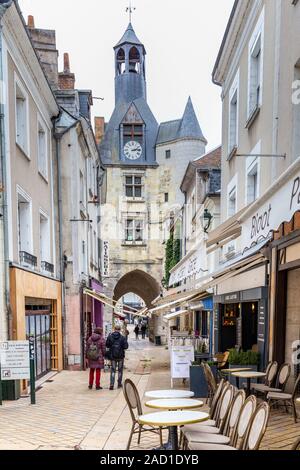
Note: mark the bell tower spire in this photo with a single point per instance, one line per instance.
(130, 80)
(130, 9)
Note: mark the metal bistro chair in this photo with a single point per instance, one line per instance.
(132, 398)
(286, 399)
(240, 432)
(281, 381)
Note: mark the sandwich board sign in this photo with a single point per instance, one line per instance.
(14, 360)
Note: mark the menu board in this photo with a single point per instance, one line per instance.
(181, 359)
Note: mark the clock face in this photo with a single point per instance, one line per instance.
(133, 150)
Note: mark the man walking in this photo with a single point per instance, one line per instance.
(117, 344)
(143, 329)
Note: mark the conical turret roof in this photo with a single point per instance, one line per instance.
(129, 37)
(190, 127)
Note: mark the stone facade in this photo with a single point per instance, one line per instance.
(158, 167)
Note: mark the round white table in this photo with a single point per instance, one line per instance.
(172, 404)
(169, 394)
(248, 375)
(173, 419)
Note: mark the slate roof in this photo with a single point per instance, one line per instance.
(187, 127)
(109, 147)
(129, 37)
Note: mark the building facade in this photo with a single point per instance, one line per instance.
(260, 173)
(77, 200)
(201, 187)
(144, 164)
(33, 291)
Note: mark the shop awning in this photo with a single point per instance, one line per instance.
(226, 232)
(170, 316)
(107, 301)
(181, 299)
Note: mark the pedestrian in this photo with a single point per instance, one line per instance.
(143, 329)
(95, 352)
(137, 331)
(117, 344)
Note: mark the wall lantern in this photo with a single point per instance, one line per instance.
(207, 218)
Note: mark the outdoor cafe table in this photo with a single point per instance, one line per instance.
(173, 404)
(169, 394)
(248, 375)
(173, 419)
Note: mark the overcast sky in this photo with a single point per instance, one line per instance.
(182, 39)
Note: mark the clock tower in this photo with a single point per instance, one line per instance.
(130, 135)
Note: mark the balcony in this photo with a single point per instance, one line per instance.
(27, 260)
(47, 267)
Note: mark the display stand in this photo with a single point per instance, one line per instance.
(182, 355)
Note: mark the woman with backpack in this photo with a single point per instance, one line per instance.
(95, 352)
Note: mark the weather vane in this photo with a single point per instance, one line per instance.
(130, 9)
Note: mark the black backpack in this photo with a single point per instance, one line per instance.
(116, 350)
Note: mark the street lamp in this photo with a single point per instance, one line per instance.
(207, 218)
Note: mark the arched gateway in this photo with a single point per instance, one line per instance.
(140, 283)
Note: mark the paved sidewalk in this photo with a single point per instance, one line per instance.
(68, 415)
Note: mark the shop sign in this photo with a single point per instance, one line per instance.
(14, 360)
(192, 267)
(105, 259)
(278, 208)
(232, 297)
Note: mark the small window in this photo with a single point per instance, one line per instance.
(44, 239)
(134, 230)
(133, 186)
(252, 182)
(166, 197)
(232, 202)
(233, 121)
(24, 223)
(255, 76)
(168, 154)
(21, 118)
(42, 151)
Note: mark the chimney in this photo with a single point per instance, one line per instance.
(30, 22)
(99, 129)
(66, 79)
(44, 41)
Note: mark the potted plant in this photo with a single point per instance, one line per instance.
(242, 360)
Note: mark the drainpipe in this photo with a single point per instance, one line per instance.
(60, 233)
(3, 180)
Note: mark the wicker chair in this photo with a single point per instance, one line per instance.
(281, 381)
(210, 380)
(239, 434)
(212, 434)
(285, 399)
(132, 398)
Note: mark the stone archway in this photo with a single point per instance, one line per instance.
(140, 283)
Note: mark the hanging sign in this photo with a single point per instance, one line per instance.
(14, 359)
(105, 259)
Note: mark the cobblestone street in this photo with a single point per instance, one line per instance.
(68, 415)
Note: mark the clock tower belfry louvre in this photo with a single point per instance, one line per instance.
(145, 163)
